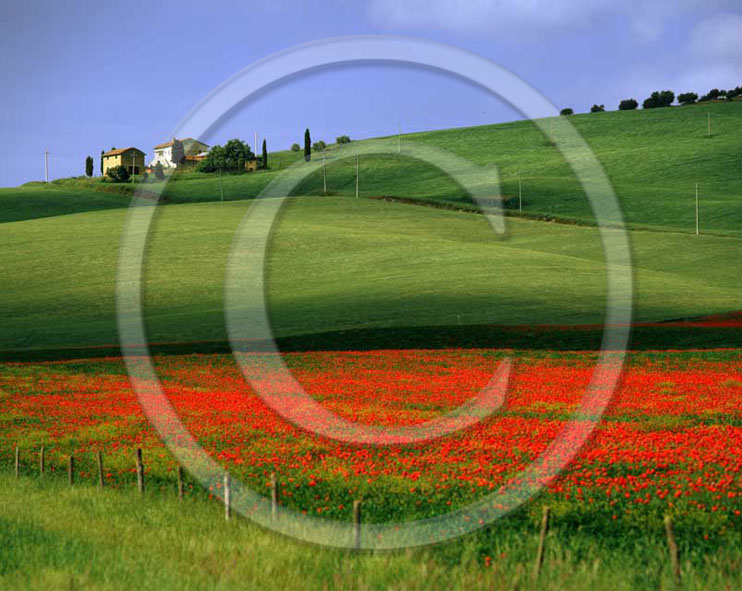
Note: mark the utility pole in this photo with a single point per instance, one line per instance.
(709, 124)
(520, 194)
(221, 191)
(46, 165)
(697, 225)
(324, 172)
(357, 173)
(551, 131)
(256, 144)
(399, 139)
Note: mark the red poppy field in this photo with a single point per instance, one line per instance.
(670, 441)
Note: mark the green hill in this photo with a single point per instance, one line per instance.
(653, 157)
(342, 264)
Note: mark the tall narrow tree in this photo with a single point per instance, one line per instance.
(265, 155)
(178, 154)
(307, 145)
(101, 161)
(89, 166)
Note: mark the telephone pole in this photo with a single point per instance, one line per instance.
(357, 173)
(520, 194)
(399, 139)
(708, 115)
(697, 225)
(46, 165)
(324, 173)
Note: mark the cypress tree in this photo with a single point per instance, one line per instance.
(265, 155)
(101, 161)
(89, 166)
(307, 145)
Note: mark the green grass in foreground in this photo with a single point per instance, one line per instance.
(345, 264)
(53, 537)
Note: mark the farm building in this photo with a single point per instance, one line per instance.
(131, 158)
(164, 152)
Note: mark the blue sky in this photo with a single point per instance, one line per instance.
(85, 76)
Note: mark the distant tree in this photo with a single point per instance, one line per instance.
(229, 157)
(735, 92)
(89, 166)
(307, 145)
(118, 174)
(597, 108)
(567, 111)
(628, 105)
(101, 161)
(661, 98)
(295, 147)
(687, 98)
(342, 139)
(711, 95)
(265, 155)
(178, 153)
(159, 172)
(319, 146)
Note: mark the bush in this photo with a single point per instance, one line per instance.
(319, 146)
(687, 98)
(118, 174)
(566, 111)
(342, 139)
(628, 105)
(662, 98)
(597, 108)
(295, 147)
(159, 172)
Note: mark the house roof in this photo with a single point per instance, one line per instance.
(186, 139)
(121, 151)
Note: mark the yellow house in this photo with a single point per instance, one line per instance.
(251, 165)
(131, 158)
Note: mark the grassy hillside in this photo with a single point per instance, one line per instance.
(653, 157)
(340, 264)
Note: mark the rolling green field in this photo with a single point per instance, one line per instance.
(341, 264)
(653, 157)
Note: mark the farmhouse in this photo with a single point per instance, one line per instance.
(131, 158)
(164, 152)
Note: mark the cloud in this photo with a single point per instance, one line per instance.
(512, 18)
(528, 20)
(718, 38)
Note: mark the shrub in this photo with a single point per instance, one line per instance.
(118, 174)
(159, 172)
(295, 147)
(566, 111)
(628, 105)
(342, 139)
(661, 98)
(319, 146)
(597, 108)
(687, 98)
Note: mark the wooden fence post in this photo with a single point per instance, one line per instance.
(140, 471)
(180, 483)
(673, 548)
(542, 541)
(101, 480)
(71, 470)
(17, 462)
(274, 495)
(42, 454)
(227, 497)
(357, 525)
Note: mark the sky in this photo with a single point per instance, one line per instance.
(81, 77)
